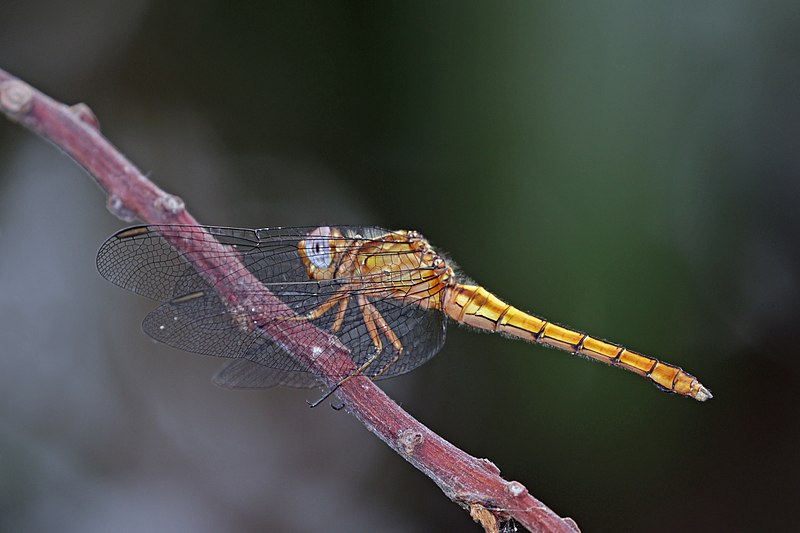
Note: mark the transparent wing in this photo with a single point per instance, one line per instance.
(244, 374)
(142, 260)
(194, 318)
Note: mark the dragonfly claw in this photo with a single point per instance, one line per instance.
(323, 397)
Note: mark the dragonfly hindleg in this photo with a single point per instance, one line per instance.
(375, 321)
(386, 329)
(369, 312)
(388, 365)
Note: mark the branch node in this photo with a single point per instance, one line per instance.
(86, 115)
(515, 488)
(170, 204)
(409, 439)
(116, 207)
(16, 97)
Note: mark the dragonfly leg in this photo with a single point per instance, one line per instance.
(393, 338)
(340, 297)
(385, 328)
(375, 323)
(388, 365)
(367, 309)
(337, 324)
(369, 313)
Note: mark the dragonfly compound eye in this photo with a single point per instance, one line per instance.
(318, 249)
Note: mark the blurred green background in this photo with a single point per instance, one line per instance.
(628, 168)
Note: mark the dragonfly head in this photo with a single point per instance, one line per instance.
(320, 252)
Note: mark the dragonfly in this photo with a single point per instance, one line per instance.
(385, 295)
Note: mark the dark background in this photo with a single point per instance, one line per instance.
(628, 168)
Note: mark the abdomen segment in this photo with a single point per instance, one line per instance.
(477, 307)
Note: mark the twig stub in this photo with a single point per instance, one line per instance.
(409, 439)
(16, 97)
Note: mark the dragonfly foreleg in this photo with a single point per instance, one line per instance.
(341, 297)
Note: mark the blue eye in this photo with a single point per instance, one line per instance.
(318, 248)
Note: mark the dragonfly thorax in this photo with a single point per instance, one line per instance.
(405, 266)
(398, 264)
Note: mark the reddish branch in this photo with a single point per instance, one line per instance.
(473, 483)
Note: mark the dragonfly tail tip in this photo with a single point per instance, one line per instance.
(702, 394)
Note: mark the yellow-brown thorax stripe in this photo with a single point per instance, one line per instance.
(402, 267)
